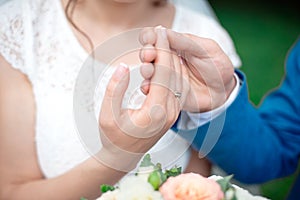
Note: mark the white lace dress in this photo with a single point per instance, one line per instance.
(36, 39)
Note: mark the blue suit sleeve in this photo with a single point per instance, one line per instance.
(259, 144)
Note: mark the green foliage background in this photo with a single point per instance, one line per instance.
(263, 32)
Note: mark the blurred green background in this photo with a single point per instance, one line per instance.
(263, 32)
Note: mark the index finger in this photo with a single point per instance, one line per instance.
(186, 43)
(159, 86)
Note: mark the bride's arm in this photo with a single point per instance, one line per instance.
(122, 130)
(21, 177)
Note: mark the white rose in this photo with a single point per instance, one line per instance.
(136, 188)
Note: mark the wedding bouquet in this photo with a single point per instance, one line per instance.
(152, 183)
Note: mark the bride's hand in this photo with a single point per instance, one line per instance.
(210, 70)
(127, 134)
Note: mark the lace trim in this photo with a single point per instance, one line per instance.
(12, 35)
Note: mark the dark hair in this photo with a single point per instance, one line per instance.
(69, 10)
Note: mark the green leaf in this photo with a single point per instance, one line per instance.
(82, 198)
(158, 177)
(146, 162)
(106, 188)
(234, 197)
(175, 171)
(162, 175)
(155, 180)
(226, 186)
(225, 183)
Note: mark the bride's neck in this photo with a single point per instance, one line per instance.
(101, 19)
(124, 14)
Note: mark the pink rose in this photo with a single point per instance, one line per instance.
(191, 186)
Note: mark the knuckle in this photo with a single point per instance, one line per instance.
(158, 115)
(211, 42)
(107, 123)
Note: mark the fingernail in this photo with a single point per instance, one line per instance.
(124, 65)
(181, 60)
(162, 31)
(158, 27)
(121, 70)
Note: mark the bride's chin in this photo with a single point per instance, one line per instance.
(125, 1)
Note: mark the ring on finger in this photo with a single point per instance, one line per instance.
(177, 94)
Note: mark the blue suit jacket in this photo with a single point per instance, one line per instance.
(258, 144)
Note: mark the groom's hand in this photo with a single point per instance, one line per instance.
(210, 69)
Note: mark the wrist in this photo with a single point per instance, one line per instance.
(226, 97)
(118, 159)
(230, 86)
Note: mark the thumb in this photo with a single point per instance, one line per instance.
(115, 91)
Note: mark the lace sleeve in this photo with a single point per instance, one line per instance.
(15, 39)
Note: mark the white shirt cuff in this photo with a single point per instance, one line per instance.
(193, 120)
